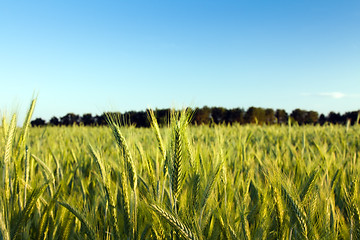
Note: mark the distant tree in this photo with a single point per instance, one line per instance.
(322, 119)
(140, 119)
(54, 121)
(270, 116)
(162, 116)
(260, 115)
(123, 118)
(38, 122)
(136, 118)
(87, 119)
(206, 115)
(70, 119)
(299, 116)
(351, 116)
(235, 115)
(335, 118)
(202, 115)
(250, 115)
(100, 120)
(255, 115)
(311, 117)
(218, 114)
(281, 116)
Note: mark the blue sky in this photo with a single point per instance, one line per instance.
(96, 56)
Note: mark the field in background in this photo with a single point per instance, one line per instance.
(179, 182)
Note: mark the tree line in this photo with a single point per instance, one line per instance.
(209, 115)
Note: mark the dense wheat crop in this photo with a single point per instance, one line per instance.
(179, 182)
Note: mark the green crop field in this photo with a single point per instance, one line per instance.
(179, 181)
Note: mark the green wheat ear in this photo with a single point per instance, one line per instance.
(5, 127)
(47, 213)
(26, 124)
(120, 140)
(279, 212)
(209, 186)
(106, 183)
(123, 197)
(24, 215)
(88, 230)
(176, 170)
(155, 126)
(308, 185)
(7, 155)
(9, 139)
(195, 180)
(296, 212)
(174, 222)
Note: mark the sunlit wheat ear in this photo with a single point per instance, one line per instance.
(176, 170)
(26, 124)
(96, 156)
(189, 149)
(9, 140)
(5, 127)
(186, 117)
(155, 126)
(7, 155)
(120, 140)
(149, 166)
(174, 222)
(59, 171)
(49, 176)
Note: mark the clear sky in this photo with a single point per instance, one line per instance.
(95, 56)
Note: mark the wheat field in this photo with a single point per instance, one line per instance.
(179, 181)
